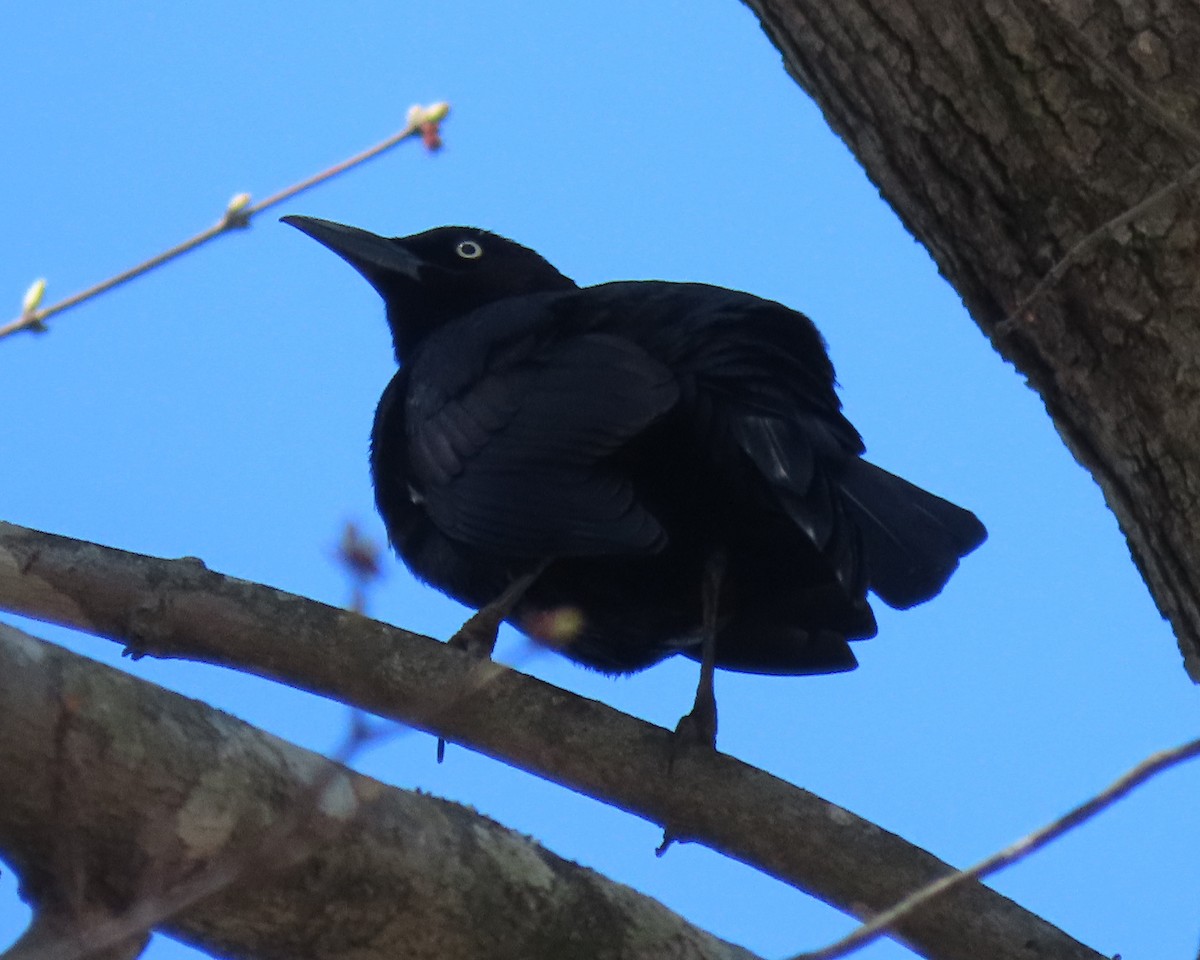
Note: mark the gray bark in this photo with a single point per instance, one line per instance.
(127, 806)
(1045, 153)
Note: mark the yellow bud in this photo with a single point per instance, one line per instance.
(238, 204)
(434, 113)
(237, 213)
(33, 296)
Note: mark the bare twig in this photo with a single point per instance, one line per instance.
(358, 556)
(422, 121)
(1182, 132)
(873, 929)
(1055, 273)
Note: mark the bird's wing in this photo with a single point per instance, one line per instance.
(513, 457)
(761, 387)
(774, 385)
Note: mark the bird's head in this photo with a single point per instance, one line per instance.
(431, 278)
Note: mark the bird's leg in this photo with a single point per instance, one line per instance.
(700, 725)
(478, 635)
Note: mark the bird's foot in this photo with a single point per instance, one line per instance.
(695, 730)
(478, 635)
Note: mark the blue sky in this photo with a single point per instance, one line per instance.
(220, 408)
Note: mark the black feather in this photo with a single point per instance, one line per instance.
(623, 436)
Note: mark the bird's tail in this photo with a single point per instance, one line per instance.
(913, 539)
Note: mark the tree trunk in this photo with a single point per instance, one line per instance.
(1045, 152)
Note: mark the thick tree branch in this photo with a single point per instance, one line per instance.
(181, 609)
(167, 813)
(1007, 134)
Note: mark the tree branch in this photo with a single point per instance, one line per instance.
(1149, 768)
(180, 817)
(423, 121)
(181, 609)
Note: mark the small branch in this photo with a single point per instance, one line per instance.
(422, 121)
(1150, 767)
(1068, 259)
(1187, 137)
(358, 556)
(181, 609)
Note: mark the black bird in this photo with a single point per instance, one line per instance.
(633, 470)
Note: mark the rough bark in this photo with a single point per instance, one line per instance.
(125, 802)
(1011, 137)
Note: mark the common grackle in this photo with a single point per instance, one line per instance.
(633, 470)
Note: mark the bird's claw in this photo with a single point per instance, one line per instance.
(697, 729)
(478, 635)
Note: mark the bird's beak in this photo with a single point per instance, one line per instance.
(373, 256)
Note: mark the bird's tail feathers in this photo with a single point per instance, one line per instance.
(913, 538)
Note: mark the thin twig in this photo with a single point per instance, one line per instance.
(874, 928)
(1055, 273)
(422, 121)
(358, 556)
(1166, 121)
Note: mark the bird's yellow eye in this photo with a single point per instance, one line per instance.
(469, 250)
